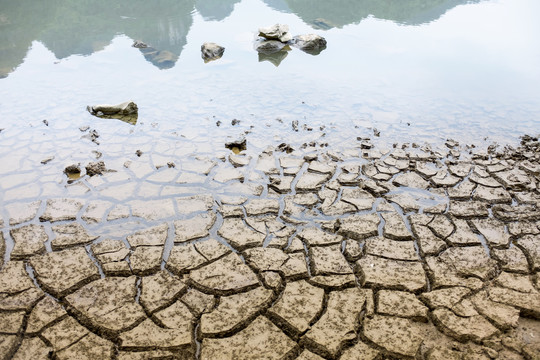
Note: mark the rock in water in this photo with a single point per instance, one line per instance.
(276, 32)
(95, 168)
(269, 46)
(310, 43)
(125, 108)
(126, 112)
(211, 51)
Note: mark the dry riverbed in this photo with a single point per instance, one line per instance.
(309, 254)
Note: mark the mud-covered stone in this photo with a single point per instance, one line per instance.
(397, 335)
(29, 240)
(235, 311)
(392, 274)
(401, 304)
(193, 228)
(160, 290)
(225, 275)
(338, 324)
(516, 212)
(61, 210)
(65, 271)
(44, 313)
(445, 297)
(236, 232)
(68, 235)
(475, 328)
(392, 249)
(359, 227)
(108, 304)
(247, 344)
(298, 306)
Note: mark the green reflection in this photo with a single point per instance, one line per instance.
(324, 14)
(69, 27)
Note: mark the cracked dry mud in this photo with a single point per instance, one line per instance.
(399, 254)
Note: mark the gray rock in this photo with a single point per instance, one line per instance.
(310, 43)
(276, 32)
(211, 51)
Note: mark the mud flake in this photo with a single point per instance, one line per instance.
(298, 306)
(260, 340)
(235, 311)
(159, 290)
(397, 335)
(338, 324)
(228, 274)
(62, 272)
(108, 303)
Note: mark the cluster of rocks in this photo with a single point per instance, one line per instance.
(275, 42)
(402, 253)
(272, 45)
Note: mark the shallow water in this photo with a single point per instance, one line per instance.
(420, 71)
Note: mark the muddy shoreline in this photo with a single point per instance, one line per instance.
(404, 252)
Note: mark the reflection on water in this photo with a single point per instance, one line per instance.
(69, 27)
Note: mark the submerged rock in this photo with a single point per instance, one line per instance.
(310, 43)
(211, 51)
(276, 32)
(126, 111)
(125, 108)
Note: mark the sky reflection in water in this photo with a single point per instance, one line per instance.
(417, 70)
